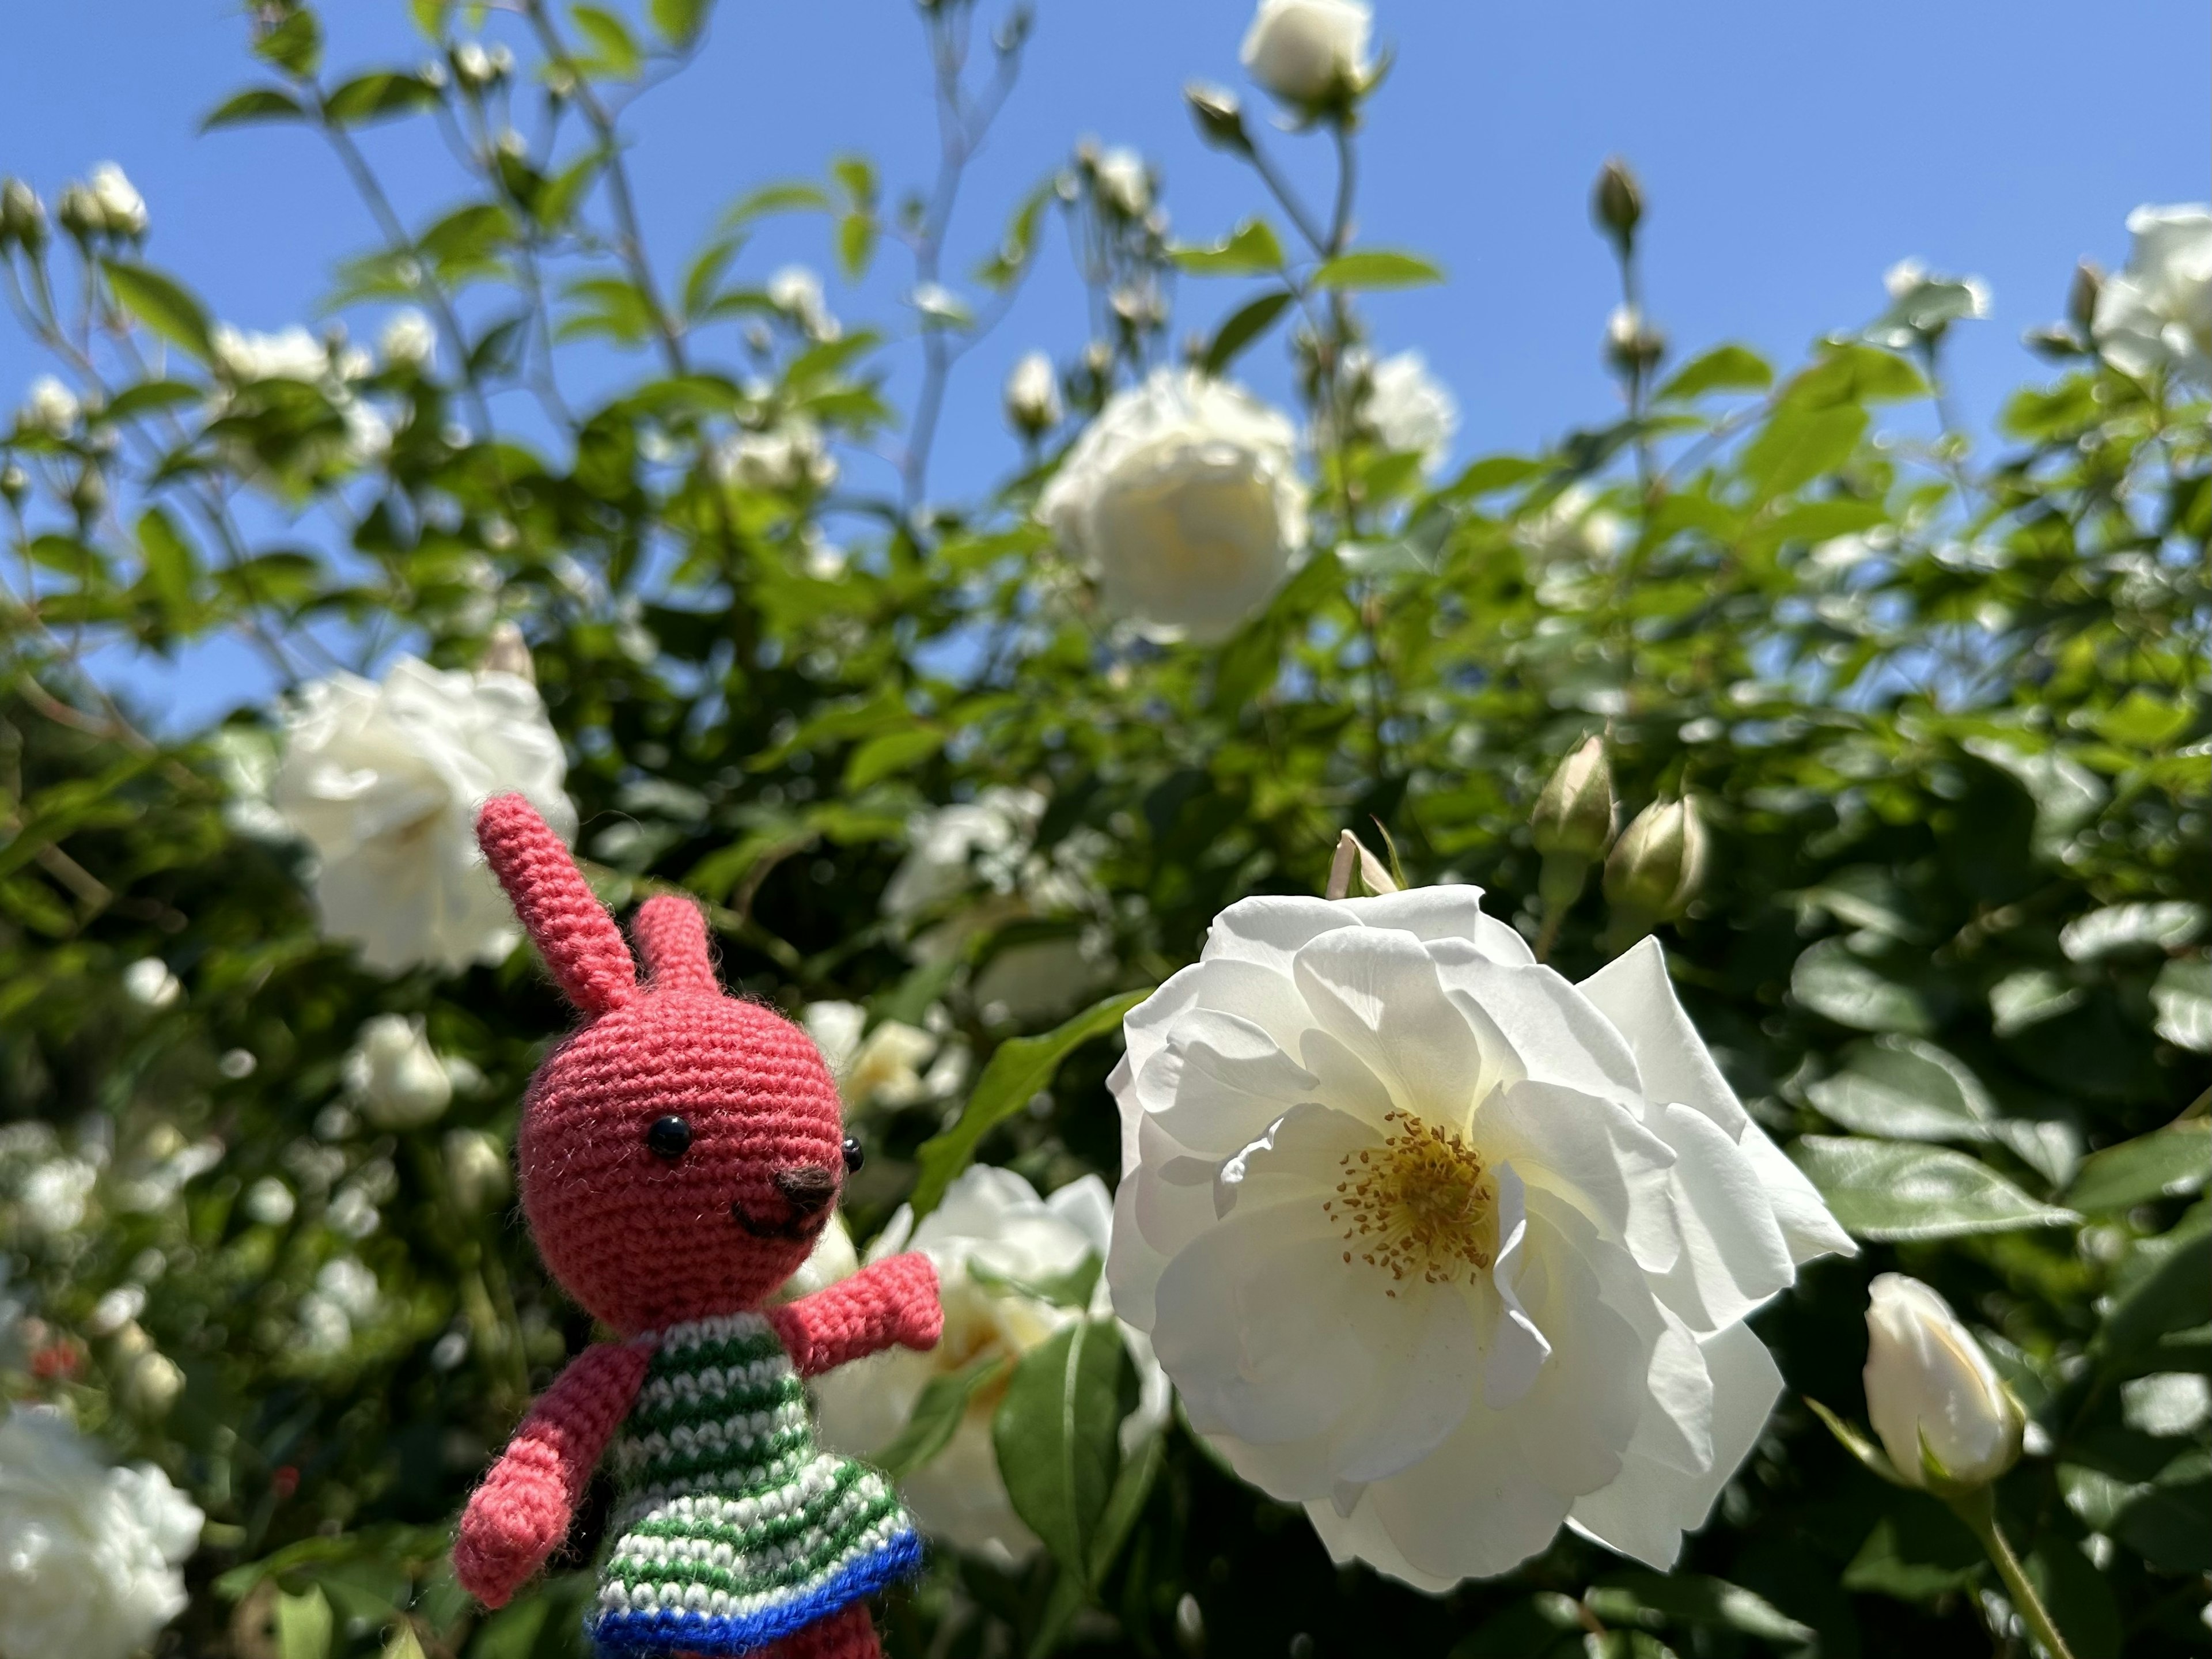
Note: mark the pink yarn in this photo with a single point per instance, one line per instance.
(642, 1241)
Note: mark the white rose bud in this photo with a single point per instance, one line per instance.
(1033, 396)
(1659, 862)
(396, 1076)
(1574, 814)
(476, 1168)
(1309, 51)
(1930, 1386)
(51, 408)
(1124, 183)
(121, 207)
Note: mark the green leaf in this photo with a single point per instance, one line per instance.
(303, 1624)
(680, 20)
(2078, 1598)
(372, 97)
(1799, 444)
(2170, 1297)
(2183, 997)
(1917, 1553)
(1904, 1089)
(2166, 1163)
(163, 304)
(1869, 1455)
(1831, 982)
(1020, 1066)
(2028, 998)
(2120, 929)
(295, 46)
(893, 753)
(614, 51)
(1250, 250)
(1857, 373)
(857, 174)
(1693, 1600)
(790, 196)
(171, 569)
(1243, 325)
(149, 396)
(1724, 368)
(1055, 1434)
(1896, 1189)
(2171, 1526)
(944, 1401)
(254, 104)
(1377, 268)
(856, 244)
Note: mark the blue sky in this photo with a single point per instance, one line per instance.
(1790, 152)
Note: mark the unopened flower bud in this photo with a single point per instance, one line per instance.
(472, 63)
(1574, 813)
(78, 209)
(1125, 184)
(1354, 865)
(122, 208)
(1632, 346)
(2081, 296)
(477, 1170)
(1219, 115)
(395, 1076)
(1659, 862)
(507, 653)
(1617, 202)
(23, 216)
(89, 493)
(152, 1384)
(1033, 396)
(1938, 1406)
(14, 482)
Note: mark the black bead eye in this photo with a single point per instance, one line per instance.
(668, 1138)
(855, 1158)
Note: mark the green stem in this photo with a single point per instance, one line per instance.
(1979, 1510)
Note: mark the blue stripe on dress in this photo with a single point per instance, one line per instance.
(634, 1634)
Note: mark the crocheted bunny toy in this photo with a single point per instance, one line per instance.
(680, 1154)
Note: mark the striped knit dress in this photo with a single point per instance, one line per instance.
(734, 1529)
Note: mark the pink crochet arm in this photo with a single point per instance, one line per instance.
(891, 1302)
(521, 1512)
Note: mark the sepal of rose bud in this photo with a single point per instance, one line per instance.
(1219, 114)
(2081, 296)
(1617, 202)
(1356, 863)
(1659, 863)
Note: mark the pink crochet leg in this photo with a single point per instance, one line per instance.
(848, 1633)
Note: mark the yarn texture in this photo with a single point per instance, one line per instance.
(735, 1534)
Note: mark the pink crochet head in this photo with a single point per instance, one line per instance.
(681, 1152)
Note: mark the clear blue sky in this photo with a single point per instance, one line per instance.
(1791, 152)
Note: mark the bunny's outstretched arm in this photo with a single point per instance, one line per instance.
(521, 1512)
(890, 1302)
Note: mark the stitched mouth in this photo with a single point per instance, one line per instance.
(797, 1225)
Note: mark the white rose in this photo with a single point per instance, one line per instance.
(1182, 500)
(1444, 1247)
(1929, 1384)
(53, 1197)
(2158, 311)
(385, 780)
(788, 456)
(1306, 52)
(1411, 410)
(88, 1555)
(1032, 395)
(991, 1220)
(408, 338)
(1124, 182)
(51, 408)
(291, 354)
(882, 1068)
(395, 1076)
(121, 204)
(956, 849)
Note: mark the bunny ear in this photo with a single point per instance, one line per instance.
(572, 929)
(671, 936)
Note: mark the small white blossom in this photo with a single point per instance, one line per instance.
(51, 408)
(385, 780)
(290, 354)
(344, 1297)
(1183, 501)
(1125, 183)
(408, 338)
(88, 1555)
(1032, 395)
(788, 456)
(1307, 52)
(2157, 312)
(55, 1195)
(121, 204)
(476, 1170)
(270, 1202)
(148, 982)
(883, 1068)
(395, 1075)
(796, 291)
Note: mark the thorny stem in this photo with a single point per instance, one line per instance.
(1978, 1509)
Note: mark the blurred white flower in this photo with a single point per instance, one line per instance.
(88, 1555)
(956, 849)
(151, 1384)
(51, 408)
(995, 1243)
(394, 1074)
(1182, 500)
(1411, 410)
(1922, 304)
(53, 1197)
(1929, 1384)
(148, 982)
(1444, 1248)
(2157, 312)
(408, 338)
(115, 1310)
(882, 1068)
(1125, 182)
(1032, 395)
(353, 1214)
(1573, 528)
(1306, 52)
(788, 456)
(385, 780)
(796, 291)
(270, 1202)
(344, 1296)
(121, 204)
(477, 1170)
(290, 354)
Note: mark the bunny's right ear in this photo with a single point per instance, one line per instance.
(572, 929)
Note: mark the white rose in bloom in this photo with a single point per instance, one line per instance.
(408, 338)
(1032, 395)
(51, 408)
(1444, 1246)
(2158, 311)
(1929, 1384)
(990, 1229)
(88, 1555)
(1305, 51)
(1184, 499)
(1125, 182)
(121, 204)
(385, 780)
(291, 354)
(1411, 410)
(882, 1068)
(395, 1075)
(796, 291)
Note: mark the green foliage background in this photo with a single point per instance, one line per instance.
(1944, 715)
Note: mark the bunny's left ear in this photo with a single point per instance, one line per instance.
(672, 937)
(572, 929)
